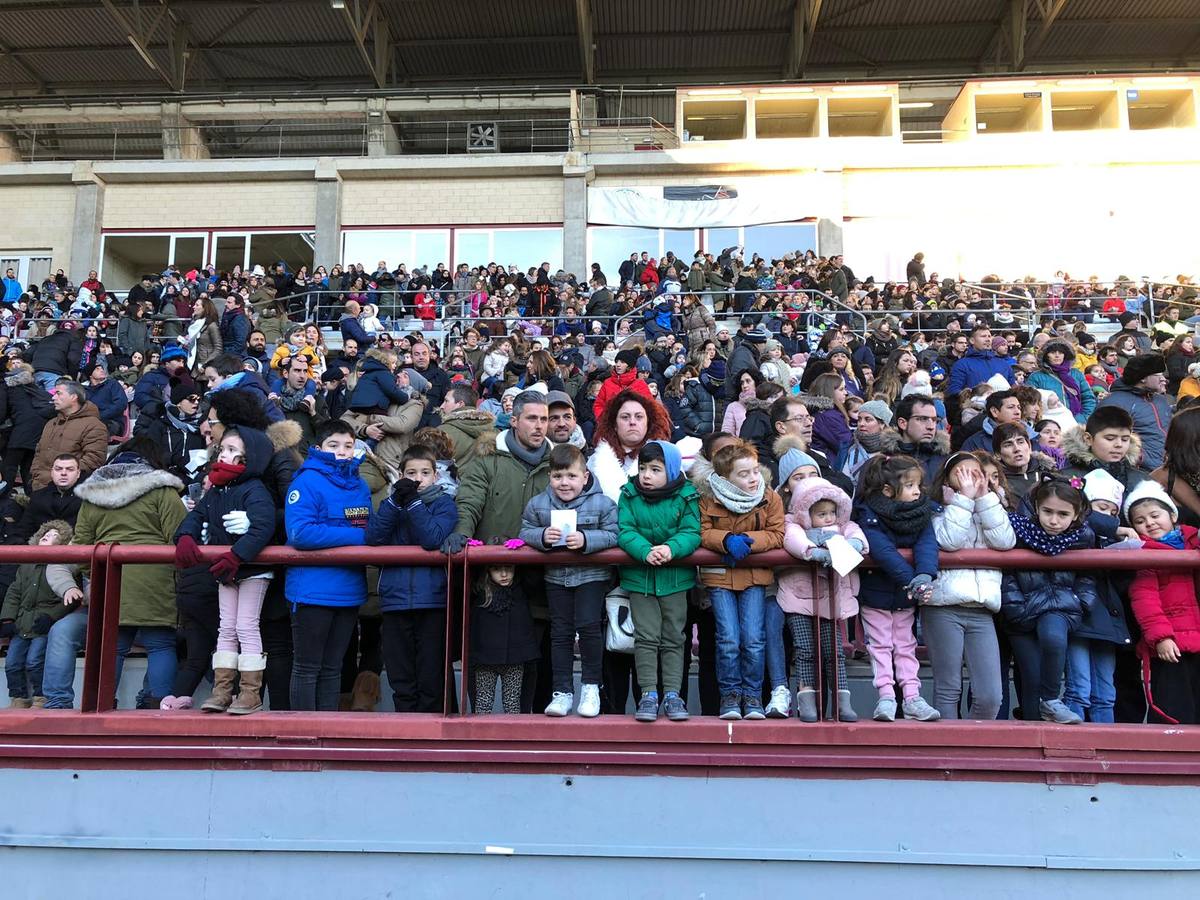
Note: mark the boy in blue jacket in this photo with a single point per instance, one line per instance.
(413, 598)
(328, 505)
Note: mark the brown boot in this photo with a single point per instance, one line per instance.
(249, 699)
(366, 692)
(224, 663)
(19, 703)
(39, 702)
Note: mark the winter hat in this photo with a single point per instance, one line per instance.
(879, 410)
(792, 459)
(1143, 366)
(333, 374)
(173, 351)
(629, 356)
(643, 364)
(416, 381)
(511, 392)
(1099, 485)
(1126, 318)
(1149, 490)
(918, 383)
(1062, 347)
(999, 342)
(757, 335)
(839, 350)
(181, 391)
(671, 458)
(936, 372)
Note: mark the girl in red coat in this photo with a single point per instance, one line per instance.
(1164, 604)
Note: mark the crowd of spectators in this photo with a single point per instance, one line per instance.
(731, 403)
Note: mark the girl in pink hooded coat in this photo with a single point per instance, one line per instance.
(816, 512)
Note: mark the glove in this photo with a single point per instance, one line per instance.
(41, 625)
(236, 522)
(225, 568)
(737, 548)
(187, 553)
(8, 628)
(454, 543)
(514, 544)
(820, 555)
(921, 587)
(405, 492)
(857, 545)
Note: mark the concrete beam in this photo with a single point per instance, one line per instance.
(89, 216)
(381, 133)
(829, 237)
(328, 246)
(9, 151)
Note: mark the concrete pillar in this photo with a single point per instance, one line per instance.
(576, 177)
(9, 151)
(181, 139)
(89, 216)
(381, 134)
(829, 237)
(328, 246)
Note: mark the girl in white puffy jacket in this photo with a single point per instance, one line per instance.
(495, 360)
(958, 618)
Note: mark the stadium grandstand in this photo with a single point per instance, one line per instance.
(425, 427)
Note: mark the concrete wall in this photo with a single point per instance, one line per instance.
(212, 204)
(38, 217)
(452, 201)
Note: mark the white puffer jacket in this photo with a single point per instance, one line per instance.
(966, 524)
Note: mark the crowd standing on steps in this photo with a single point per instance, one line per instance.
(724, 403)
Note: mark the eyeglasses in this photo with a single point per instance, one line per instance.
(804, 418)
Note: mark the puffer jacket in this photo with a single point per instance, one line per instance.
(1164, 602)
(1151, 415)
(887, 586)
(1026, 596)
(806, 590)
(30, 595)
(643, 524)
(971, 524)
(699, 409)
(29, 408)
(613, 385)
(376, 389)
(595, 519)
(1081, 460)
(764, 525)
(698, 323)
(425, 522)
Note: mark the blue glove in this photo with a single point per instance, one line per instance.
(737, 548)
(454, 543)
(820, 555)
(857, 545)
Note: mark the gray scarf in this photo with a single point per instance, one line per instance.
(181, 422)
(732, 497)
(290, 399)
(530, 458)
(869, 442)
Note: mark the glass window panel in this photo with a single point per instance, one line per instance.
(430, 247)
(525, 247)
(128, 256)
(295, 249)
(39, 269)
(773, 241)
(683, 242)
(718, 239)
(611, 245)
(189, 253)
(230, 251)
(473, 248)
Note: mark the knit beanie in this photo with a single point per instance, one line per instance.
(878, 409)
(1149, 490)
(793, 459)
(629, 356)
(672, 459)
(1099, 485)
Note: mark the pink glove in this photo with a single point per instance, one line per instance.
(514, 544)
(474, 543)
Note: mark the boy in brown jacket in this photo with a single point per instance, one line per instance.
(739, 514)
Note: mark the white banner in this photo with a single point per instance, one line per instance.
(715, 207)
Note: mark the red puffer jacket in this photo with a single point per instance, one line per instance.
(1164, 603)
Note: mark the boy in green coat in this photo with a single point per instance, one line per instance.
(659, 520)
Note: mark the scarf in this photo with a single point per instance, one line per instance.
(431, 493)
(1029, 532)
(222, 473)
(661, 493)
(869, 442)
(290, 399)
(180, 421)
(1173, 538)
(530, 458)
(497, 599)
(1070, 388)
(732, 497)
(904, 519)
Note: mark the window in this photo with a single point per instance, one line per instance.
(768, 241)
(29, 267)
(413, 247)
(611, 245)
(520, 247)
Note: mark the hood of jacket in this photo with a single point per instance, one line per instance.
(1080, 454)
(259, 451)
(64, 529)
(891, 440)
(702, 468)
(284, 435)
(342, 472)
(89, 410)
(813, 490)
(21, 375)
(474, 421)
(119, 484)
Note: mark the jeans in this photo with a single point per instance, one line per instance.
(578, 609)
(414, 655)
(1090, 687)
(777, 674)
(63, 643)
(740, 639)
(23, 666)
(161, 658)
(1041, 658)
(47, 379)
(953, 633)
(320, 635)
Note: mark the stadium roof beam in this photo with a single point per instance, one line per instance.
(38, 83)
(364, 17)
(1009, 34)
(587, 45)
(1050, 10)
(140, 34)
(804, 25)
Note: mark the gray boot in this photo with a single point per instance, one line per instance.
(806, 705)
(846, 712)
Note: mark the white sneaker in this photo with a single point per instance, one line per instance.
(916, 708)
(560, 704)
(885, 710)
(589, 701)
(781, 703)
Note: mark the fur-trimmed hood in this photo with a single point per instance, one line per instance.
(20, 374)
(756, 404)
(64, 529)
(811, 491)
(284, 435)
(119, 484)
(890, 442)
(467, 414)
(814, 402)
(1080, 454)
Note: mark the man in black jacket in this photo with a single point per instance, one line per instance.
(56, 500)
(57, 355)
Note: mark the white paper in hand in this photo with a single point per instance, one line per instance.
(565, 521)
(843, 557)
(196, 459)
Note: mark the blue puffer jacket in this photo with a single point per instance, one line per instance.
(1025, 596)
(595, 517)
(109, 398)
(376, 389)
(328, 505)
(976, 367)
(252, 383)
(886, 586)
(425, 523)
(246, 493)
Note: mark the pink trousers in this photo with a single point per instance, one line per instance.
(893, 648)
(240, 605)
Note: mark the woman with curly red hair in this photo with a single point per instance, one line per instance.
(627, 423)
